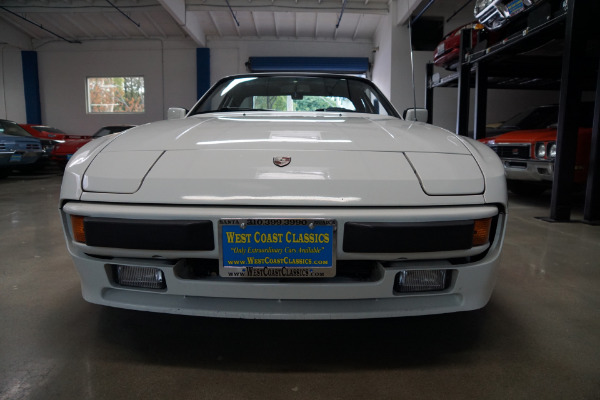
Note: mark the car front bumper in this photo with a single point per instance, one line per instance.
(529, 170)
(472, 271)
(5, 157)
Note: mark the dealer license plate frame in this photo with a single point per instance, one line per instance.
(284, 236)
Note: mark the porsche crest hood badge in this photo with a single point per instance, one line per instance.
(282, 161)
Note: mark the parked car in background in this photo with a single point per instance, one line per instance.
(63, 152)
(494, 14)
(538, 117)
(528, 155)
(44, 132)
(447, 52)
(18, 149)
(286, 196)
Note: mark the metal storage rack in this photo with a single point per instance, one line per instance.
(523, 61)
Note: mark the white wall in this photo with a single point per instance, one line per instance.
(382, 57)
(12, 96)
(228, 56)
(169, 71)
(168, 68)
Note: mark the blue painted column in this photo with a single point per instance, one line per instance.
(31, 85)
(202, 70)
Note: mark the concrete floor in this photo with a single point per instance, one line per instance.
(538, 338)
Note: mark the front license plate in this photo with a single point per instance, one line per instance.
(277, 248)
(515, 7)
(16, 158)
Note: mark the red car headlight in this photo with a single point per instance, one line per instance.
(540, 151)
(552, 150)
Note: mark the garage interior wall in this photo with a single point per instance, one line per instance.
(168, 68)
(12, 90)
(229, 57)
(170, 71)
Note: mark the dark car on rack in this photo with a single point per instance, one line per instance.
(447, 52)
(494, 14)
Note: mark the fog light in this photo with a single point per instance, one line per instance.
(422, 280)
(142, 277)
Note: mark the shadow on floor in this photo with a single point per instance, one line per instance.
(264, 346)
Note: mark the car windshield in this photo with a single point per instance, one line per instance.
(544, 117)
(48, 129)
(294, 94)
(108, 130)
(13, 129)
(536, 118)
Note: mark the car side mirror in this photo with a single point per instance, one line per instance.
(176, 113)
(416, 114)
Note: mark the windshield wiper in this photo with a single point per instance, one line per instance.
(231, 109)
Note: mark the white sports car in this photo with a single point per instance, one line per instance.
(286, 196)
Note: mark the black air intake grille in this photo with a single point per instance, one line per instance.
(382, 237)
(512, 151)
(149, 234)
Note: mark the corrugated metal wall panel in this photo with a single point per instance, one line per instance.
(347, 65)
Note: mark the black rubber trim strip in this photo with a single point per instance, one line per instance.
(149, 234)
(384, 237)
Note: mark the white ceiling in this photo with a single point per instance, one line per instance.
(84, 20)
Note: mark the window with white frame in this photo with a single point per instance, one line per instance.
(113, 95)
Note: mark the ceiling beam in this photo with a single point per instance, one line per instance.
(214, 21)
(405, 10)
(118, 27)
(187, 20)
(254, 22)
(97, 26)
(360, 18)
(325, 6)
(155, 24)
(78, 25)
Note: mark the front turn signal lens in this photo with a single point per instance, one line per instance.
(481, 231)
(78, 228)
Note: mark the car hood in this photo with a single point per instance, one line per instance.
(292, 132)
(18, 139)
(527, 136)
(71, 146)
(50, 136)
(334, 159)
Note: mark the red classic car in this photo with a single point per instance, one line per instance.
(62, 152)
(446, 53)
(44, 131)
(528, 155)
